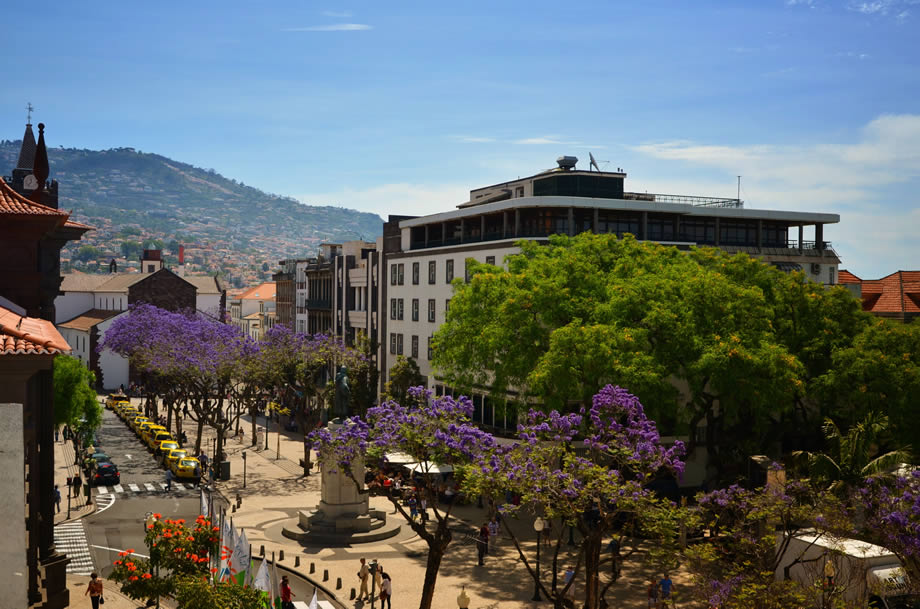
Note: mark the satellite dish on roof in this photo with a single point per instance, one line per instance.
(593, 163)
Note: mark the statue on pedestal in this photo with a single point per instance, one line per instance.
(342, 403)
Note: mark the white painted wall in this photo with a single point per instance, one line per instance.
(208, 303)
(114, 367)
(111, 301)
(71, 304)
(79, 343)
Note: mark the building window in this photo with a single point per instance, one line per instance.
(392, 343)
(490, 260)
(392, 308)
(415, 309)
(414, 346)
(429, 348)
(400, 274)
(399, 309)
(466, 271)
(431, 306)
(449, 271)
(392, 274)
(415, 273)
(446, 308)
(432, 272)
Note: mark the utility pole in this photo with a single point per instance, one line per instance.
(739, 188)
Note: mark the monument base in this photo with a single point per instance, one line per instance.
(316, 526)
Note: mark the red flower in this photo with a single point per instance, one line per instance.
(157, 516)
(147, 576)
(133, 578)
(130, 551)
(213, 569)
(117, 562)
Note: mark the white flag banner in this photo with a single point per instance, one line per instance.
(204, 510)
(239, 560)
(314, 603)
(262, 580)
(273, 593)
(227, 544)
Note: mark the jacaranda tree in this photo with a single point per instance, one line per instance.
(893, 517)
(432, 430)
(590, 469)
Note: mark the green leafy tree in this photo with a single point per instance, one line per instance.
(364, 375)
(403, 375)
(75, 402)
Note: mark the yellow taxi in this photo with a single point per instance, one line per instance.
(171, 456)
(185, 469)
(127, 412)
(141, 427)
(155, 437)
(136, 422)
(146, 430)
(114, 399)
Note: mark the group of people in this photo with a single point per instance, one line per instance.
(488, 536)
(382, 582)
(659, 592)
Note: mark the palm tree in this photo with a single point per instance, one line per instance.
(852, 457)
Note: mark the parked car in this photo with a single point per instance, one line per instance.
(104, 473)
(171, 456)
(91, 460)
(147, 434)
(143, 427)
(186, 468)
(154, 439)
(137, 421)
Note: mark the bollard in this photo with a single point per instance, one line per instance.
(353, 594)
(281, 555)
(325, 575)
(338, 583)
(234, 508)
(312, 568)
(262, 550)
(296, 561)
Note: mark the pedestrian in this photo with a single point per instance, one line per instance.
(197, 474)
(286, 594)
(363, 575)
(493, 532)
(76, 482)
(386, 591)
(547, 532)
(94, 589)
(665, 585)
(57, 434)
(483, 542)
(169, 479)
(423, 503)
(568, 577)
(203, 459)
(413, 507)
(57, 498)
(652, 594)
(378, 580)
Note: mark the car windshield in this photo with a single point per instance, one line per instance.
(168, 445)
(189, 462)
(177, 454)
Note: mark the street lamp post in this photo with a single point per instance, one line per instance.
(266, 426)
(538, 526)
(244, 469)
(373, 568)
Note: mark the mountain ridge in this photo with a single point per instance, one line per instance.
(138, 199)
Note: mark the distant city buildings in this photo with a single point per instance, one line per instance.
(895, 296)
(253, 311)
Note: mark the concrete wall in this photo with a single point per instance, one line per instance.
(208, 303)
(14, 574)
(79, 342)
(114, 367)
(110, 301)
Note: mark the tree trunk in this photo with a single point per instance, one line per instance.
(592, 550)
(198, 438)
(169, 413)
(435, 553)
(252, 415)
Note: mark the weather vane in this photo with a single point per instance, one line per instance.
(29, 116)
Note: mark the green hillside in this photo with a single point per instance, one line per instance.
(135, 198)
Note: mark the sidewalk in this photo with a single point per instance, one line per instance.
(64, 468)
(114, 599)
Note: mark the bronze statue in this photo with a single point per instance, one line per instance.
(342, 405)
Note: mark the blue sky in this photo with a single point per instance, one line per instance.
(403, 107)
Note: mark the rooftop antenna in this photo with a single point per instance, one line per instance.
(593, 163)
(739, 188)
(29, 109)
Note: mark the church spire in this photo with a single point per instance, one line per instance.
(40, 168)
(27, 151)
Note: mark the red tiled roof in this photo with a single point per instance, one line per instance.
(87, 320)
(845, 276)
(29, 336)
(898, 292)
(265, 291)
(11, 202)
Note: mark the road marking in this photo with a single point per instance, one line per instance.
(111, 499)
(70, 538)
(118, 550)
(118, 489)
(128, 456)
(149, 487)
(134, 487)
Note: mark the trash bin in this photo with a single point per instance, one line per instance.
(224, 470)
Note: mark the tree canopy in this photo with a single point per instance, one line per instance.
(75, 401)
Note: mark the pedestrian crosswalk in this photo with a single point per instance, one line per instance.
(70, 538)
(137, 488)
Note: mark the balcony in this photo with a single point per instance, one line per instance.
(319, 303)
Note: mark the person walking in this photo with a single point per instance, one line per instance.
(287, 597)
(169, 479)
(386, 591)
(363, 575)
(568, 577)
(413, 507)
(665, 585)
(94, 589)
(203, 459)
(493, 533)
(57, 434)
(652, 594)
(483, 542)
(56, 496)
(76, 482)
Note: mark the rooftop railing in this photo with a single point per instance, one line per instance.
(685, 199)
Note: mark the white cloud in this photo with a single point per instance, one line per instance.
(883, 8)
(338, 14)
(335, 27)
(540, 141)
(395, 198)
(472, 139)
(808, 3)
